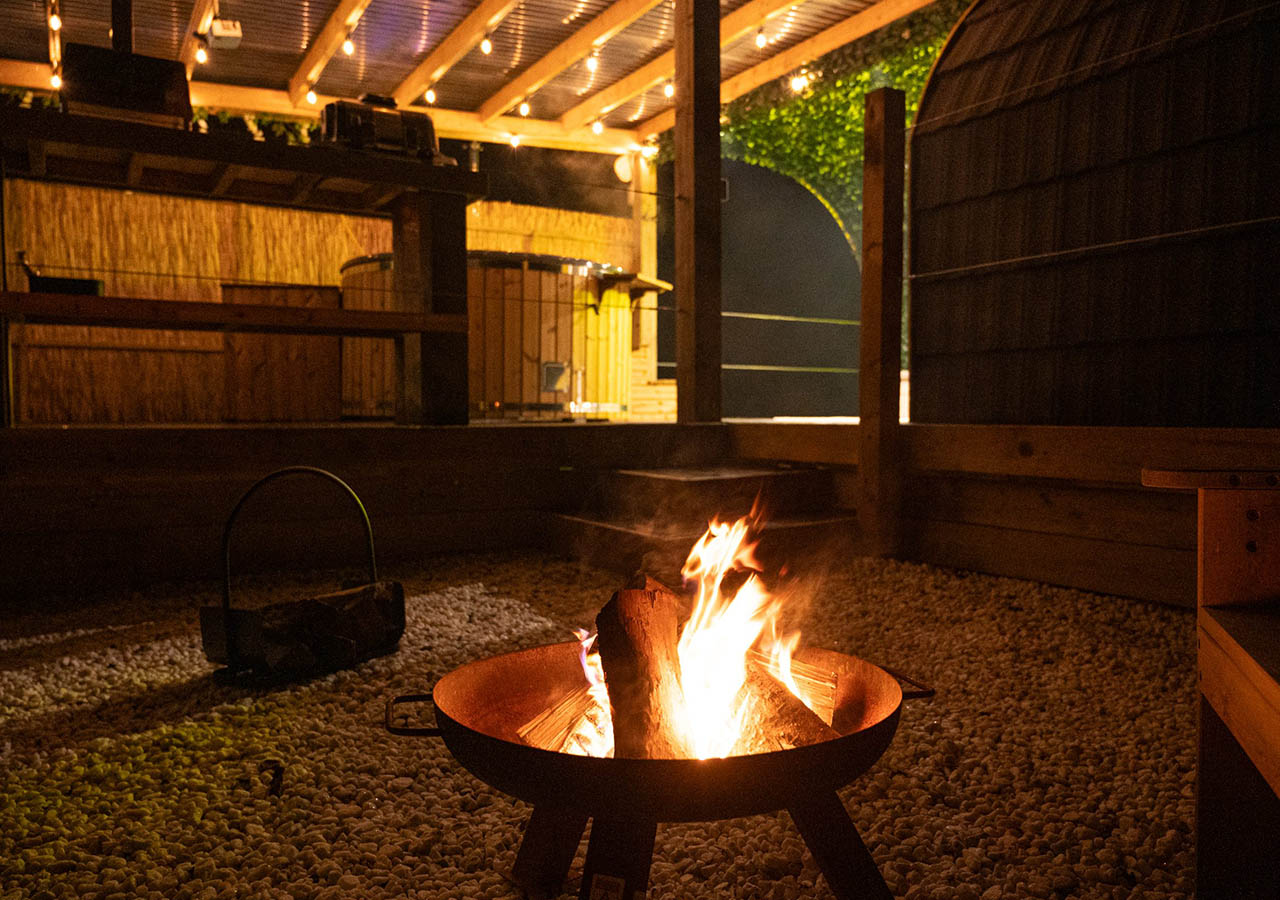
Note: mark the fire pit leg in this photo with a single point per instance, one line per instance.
(550, 840)
(838, 849)
(618, 858)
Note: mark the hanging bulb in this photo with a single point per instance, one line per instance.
(524, 108)
(486, 46)
(311, 96)
(515, 140)
(202, 55)
(430, 95)
(799, 82)
(597, 127)
(593, 63)
(55, 22)
(669, 90)
(55, 81)
(761, 40)
(348, 46)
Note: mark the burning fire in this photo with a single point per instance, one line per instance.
(735, 623)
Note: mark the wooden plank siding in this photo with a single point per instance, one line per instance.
(92, 508)
(1057, 504)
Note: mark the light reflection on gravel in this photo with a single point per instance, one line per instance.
(1056, 761)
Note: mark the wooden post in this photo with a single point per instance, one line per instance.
(122, 26)
(697, 184)
(7, 414)
(879, 472)
(429, 251)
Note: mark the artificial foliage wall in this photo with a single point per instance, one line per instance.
(815, 135)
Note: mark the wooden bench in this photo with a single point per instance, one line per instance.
(1238, 669)
(128, 312)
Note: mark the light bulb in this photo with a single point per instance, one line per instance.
(311, 96)
(597, 127)
(486, 46)
(515, 140)
(524, 108)
(799, 82)
(348, 46)
(55, 22)
(55, 81)
(761, 40)
(430, 95)
(593, 63)
(202, 55)
(668, 90)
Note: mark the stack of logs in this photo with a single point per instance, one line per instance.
(637, 638)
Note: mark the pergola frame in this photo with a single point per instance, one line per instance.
(495, 120)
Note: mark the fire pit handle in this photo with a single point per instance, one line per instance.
(408, 730)
(922, 691)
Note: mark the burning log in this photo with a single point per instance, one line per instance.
(636, 636)
(776, 718)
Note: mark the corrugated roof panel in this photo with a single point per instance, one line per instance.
(25, 33)
(532, 30)
(276, 36)
(391, 39)
(159, 27)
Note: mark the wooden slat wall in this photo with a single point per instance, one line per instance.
(1057, 504)
(76, 520)
(1113, 165)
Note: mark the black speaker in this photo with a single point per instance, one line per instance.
(103, 82)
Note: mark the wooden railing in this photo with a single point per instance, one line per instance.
(128, 312)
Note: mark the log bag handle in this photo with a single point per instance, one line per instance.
(231, 520)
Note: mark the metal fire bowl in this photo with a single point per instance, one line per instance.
(480, 706)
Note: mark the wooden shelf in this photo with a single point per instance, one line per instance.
(47, 144)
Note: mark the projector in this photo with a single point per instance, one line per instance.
(224, 34)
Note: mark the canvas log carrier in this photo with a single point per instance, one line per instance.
(307, 636)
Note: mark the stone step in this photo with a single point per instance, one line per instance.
(796, 543)
(689, 497)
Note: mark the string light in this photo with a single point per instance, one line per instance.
(515, 140)
(486, 46)
(348, 46)
(597, 127)
(669, 90)
(524, 108)
(55, 22)
(430, 95)
(311, 96)
(799, 82)
(55, 81)
(202, 55)
(593, 63)
(761, 40)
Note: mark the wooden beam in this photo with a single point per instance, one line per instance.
(133, 171)
(781, 64)
(335, 30)
(184, 315)
(223, 177)
(697, 213)
(455, 45)
(879, 456)
(449, 123)
(197, 24)
(737, 24)
(822, 43)
(575, 47)
(303, 185)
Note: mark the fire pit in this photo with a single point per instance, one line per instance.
(486, 712)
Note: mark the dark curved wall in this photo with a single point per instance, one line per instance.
(782, 254)
(1095, 216)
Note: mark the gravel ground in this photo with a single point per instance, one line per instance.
(1057, 759)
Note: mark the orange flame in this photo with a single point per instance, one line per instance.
(725, 628)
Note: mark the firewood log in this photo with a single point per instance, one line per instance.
(636, 635)
(776, 718)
